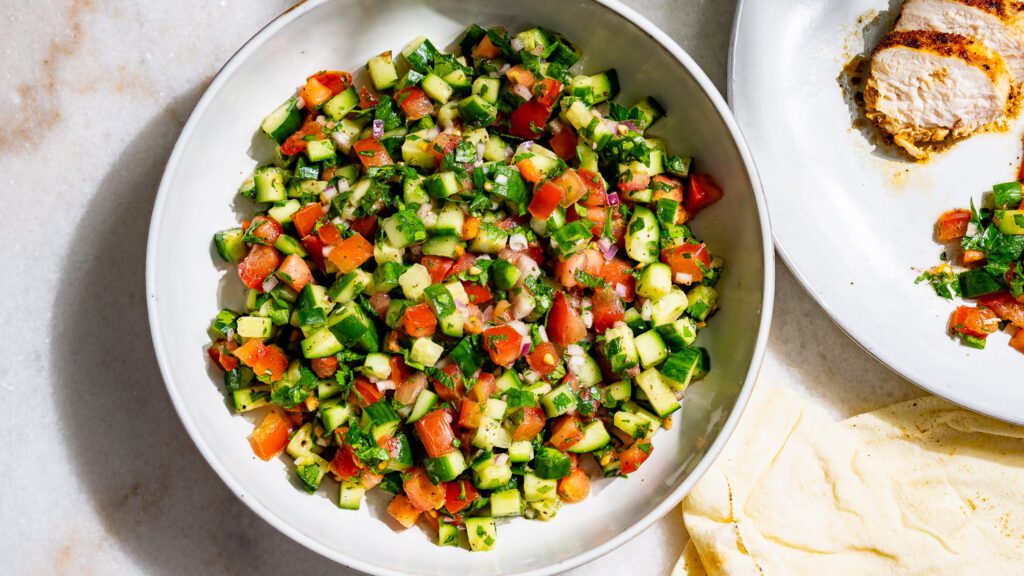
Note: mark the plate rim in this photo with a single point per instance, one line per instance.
(766, 304)
(844, 325)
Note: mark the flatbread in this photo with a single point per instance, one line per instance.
(921, 487)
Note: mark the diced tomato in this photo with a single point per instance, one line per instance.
(437, 266)
(589, 261)
(1017, 341)
(687, 259)
(435, 433)
(371, 153)
(314, 93)
(266, 229)
(1005, 306)
(477, 293)
(566, 432)
(365, 226)
(273, 362)
(597, 215)
(607, 309)
(454, 393)
(503, 343)
(484, 388)
(669, 188)
(575, 487)
(618, 272)
(258, 265)
(271, 436)
(221, 355)
(573, 186)
(335, 80)
(306, 218)
(344, 463)
(459, 495)
(977, 322)
(530, 424)
(364, 392)
(409, 387)
(634, 180)
(419, 321)
(350, 253)
(367, 99)
(564, 142)
(465, 262)
(952, 225)
(703, 192)
(296, 143)
(295, 272)
(250, 352)
(315, 249)
(470, 413)
(324, 367)
(520, 75)
(528, 171)
(370, 479)
(414, 102)
(403, 511)
(564, 324)
(444, 143)
(528, 120)
(546, 198)
(329, 234)
(486, 49)
(972, 257)
(544, 358)
(327, 173)
(632, 457)
(546, 92)
(596, 193)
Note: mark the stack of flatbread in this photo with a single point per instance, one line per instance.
(922, 487)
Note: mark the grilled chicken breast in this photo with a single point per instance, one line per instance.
(997, 23)
(927, 86)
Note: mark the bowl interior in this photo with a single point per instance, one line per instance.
(187, 284)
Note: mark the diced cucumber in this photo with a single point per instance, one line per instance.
(447, 534)
(442, 184)
(377, 365)
(350, 495)
(685, 365)
(520, 451)
(559, 401)
(589, 373)
(650, 112)
(642, 236)
(487, 88)
(283, 212)
(230, 245)
(254, 327)
(508, 380)
(572, 237)
(320, 150)
(283, 121)
(679, 334)
(651, 349)
(413, 281)
(551, 464)
(404, 459)
(495, 408)
(382, 71)
(482, 533)
(616, 393)
(636, 426)
(416, 152)
(445, 468)
(669, 308)
(505, 274)
(490, 435)
(659, 394)
(620, 348)
(246, 399)
(655, 281)
(424, 403)
(420, 54)
(489, 473)
(490, 239)
(270, 184)
(597, 88)
(443, 305)
(1010, 221)
(477, 111)
(404, 228)
(506, 503)
(534, 40)
(545, 509)
(425, 351)
(341, 104)
(347, 287)
(446, 245)
(702, 300)
(320, 344)
(594, 436)
(536, 488)
(311, 469)
(450, 220)
(333, 414)
(435, 87)
(642, 196)
(494, 150)
(384, 252)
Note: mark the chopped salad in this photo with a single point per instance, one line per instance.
(471, 283)
(987, 251)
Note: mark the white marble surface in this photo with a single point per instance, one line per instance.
(98, 475)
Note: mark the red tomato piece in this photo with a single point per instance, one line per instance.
(566, 432)
(260, 263)
(575, 487)
(703, 192)
(419, 321)
(314, 93)
(435, 433)
(295, 272)
(1017, 341)
(546, 198)
(367, 99)
(344, 463)
(371, 153)
(365, 226)
(618, 272)
(270, 437)
(409, 387)
(530, 424)
(470, 413)
(520, 75)
(486, 49)
(454, 393)
(414, 102)
(266, 229)
(477, 293)
(547, 92)
(952, 225)
(459, 495)
(324, 367)
(544, 358)
(573, 185)
(564, 142)
(596, 193)
(364, 392)
(607, 309)
(528, 120)
(329, 234)
(503, 343)
(336, 81)
(465, 262)
(484, 388)
(315, 248)
(687, 259)
(528, 171)
(564, 324)
(976, 322)
(1005, 306)
(630, 180)
(444, 143)
(437, 266)
(296, 143)
(306, 218)
(403, 511)
(424, 494)
(273, 362)
(351, 253)
(380, 303)
(631, 458)
(589, 261)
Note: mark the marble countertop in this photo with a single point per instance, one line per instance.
(100, 477)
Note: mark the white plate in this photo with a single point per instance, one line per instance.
(854, 222)
(186, 286)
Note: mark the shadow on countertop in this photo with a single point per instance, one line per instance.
(156, 496)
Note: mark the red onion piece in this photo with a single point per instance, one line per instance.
(526, 348)
(621, 290)
(613, 199)
(378, 128)
(269, 283)
(609, 252)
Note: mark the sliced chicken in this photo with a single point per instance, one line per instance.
(928, 86)
(997, 23)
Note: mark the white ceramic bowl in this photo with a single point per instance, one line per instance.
(186, 286)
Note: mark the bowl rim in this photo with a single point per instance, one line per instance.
(767, 298)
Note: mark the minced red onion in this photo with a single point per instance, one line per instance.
(300, 103)
(326, 250)
(629, 124)
(621, 290)
(543, 333)
(525, 349)
(501, 459)
(517, 44)
(229, 334)
(330, 192)
(522, 91)
(613, 199)
(385, 385)
(378, 128)
(269, 283)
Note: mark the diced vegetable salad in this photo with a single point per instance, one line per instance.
(471, 283)
(987, 249)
